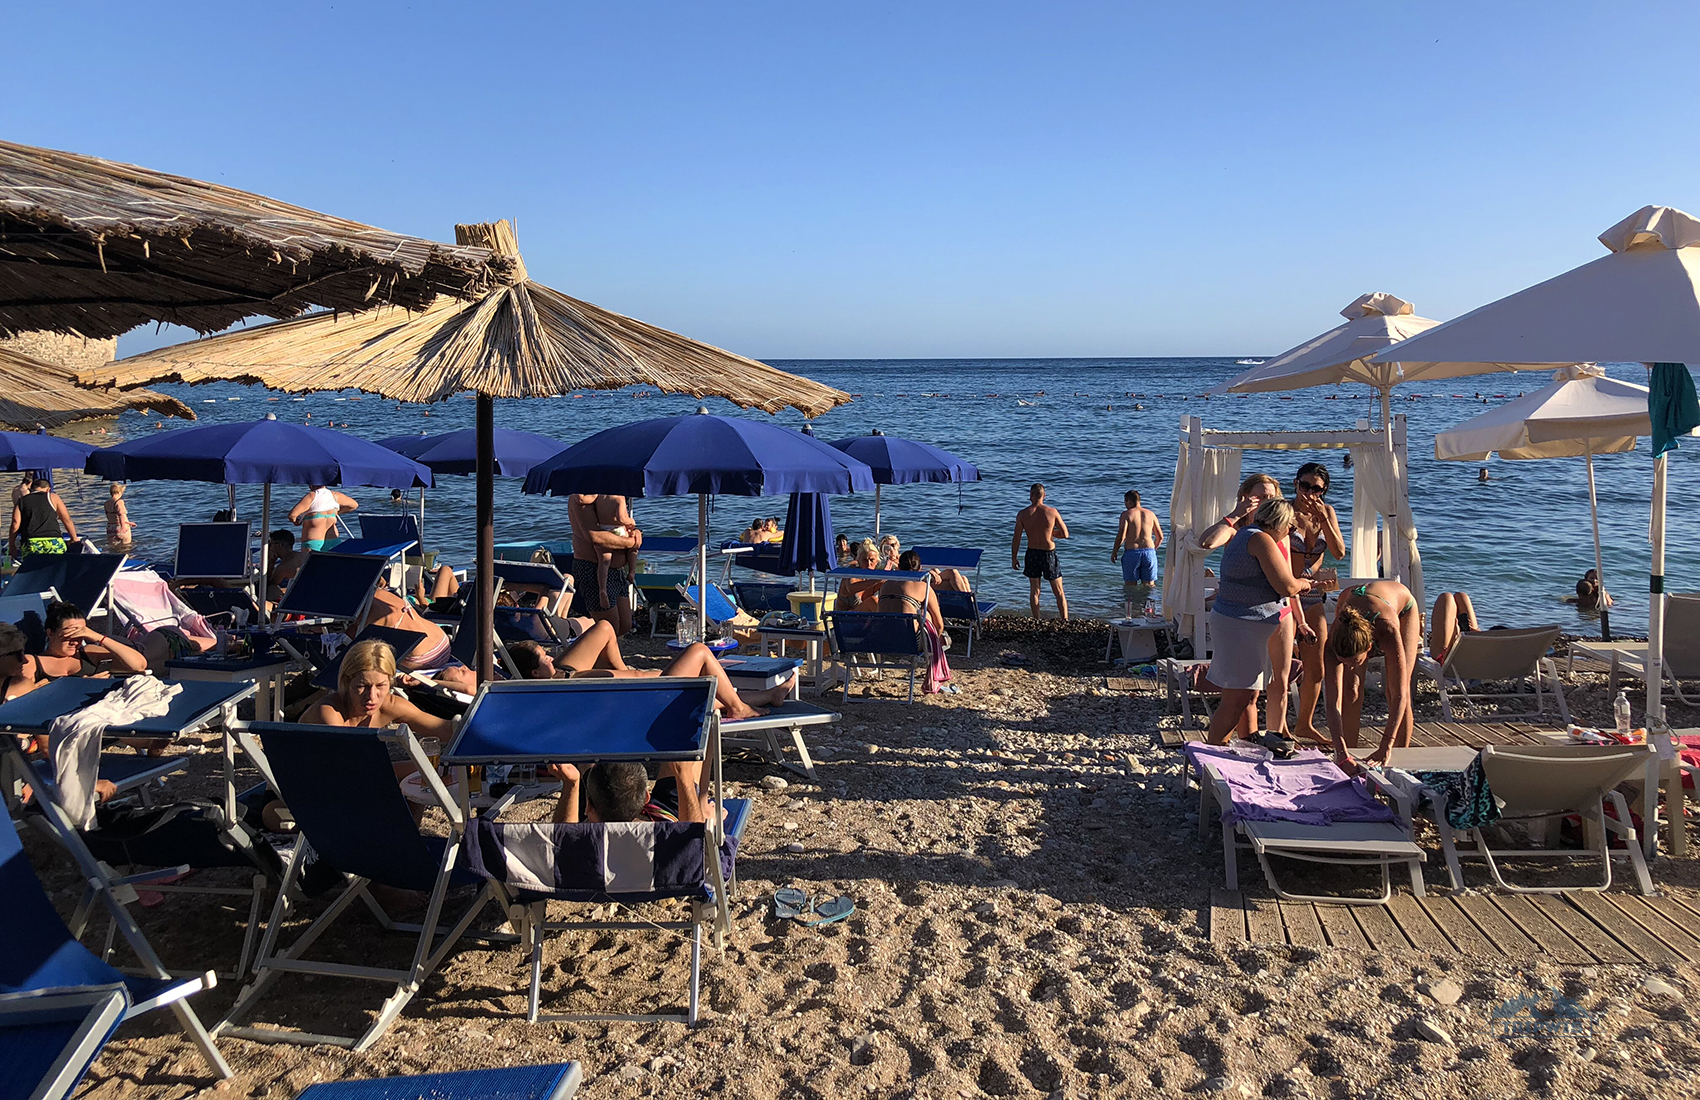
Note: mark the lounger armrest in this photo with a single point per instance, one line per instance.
(1395, 792)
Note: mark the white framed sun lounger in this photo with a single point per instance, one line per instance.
(1380, 844)
(1498, 655)
(765, 734)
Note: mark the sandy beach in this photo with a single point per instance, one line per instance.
(1032, 919)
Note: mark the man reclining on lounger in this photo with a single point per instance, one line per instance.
(536, 663)
(620, 791)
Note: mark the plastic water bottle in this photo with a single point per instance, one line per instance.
(1621, 708)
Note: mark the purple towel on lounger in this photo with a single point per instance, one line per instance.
(1309, 789)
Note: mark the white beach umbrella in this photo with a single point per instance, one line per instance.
(1581, 414)
(1374, 323)
(1640, 303)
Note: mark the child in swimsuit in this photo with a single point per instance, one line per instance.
(118, 525)
(613, 516)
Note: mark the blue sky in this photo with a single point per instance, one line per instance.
(814, 180)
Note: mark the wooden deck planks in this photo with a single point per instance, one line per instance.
(1578, 927)
(1504, 935)
(1227, 917)
(1303, 927)
(1412, 917)
(1675, 936)
(1341, 929)
(1622, 929)
(1460, 929)
(1551, 939)
(1378, 928)
(1263, 921)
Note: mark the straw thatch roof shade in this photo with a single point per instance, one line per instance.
(520, 340)
(96, 247)
(35, 392)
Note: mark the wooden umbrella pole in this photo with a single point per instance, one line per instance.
(486, 593)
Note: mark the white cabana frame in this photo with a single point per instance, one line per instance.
(1207, 478)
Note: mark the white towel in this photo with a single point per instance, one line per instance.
(74, 739)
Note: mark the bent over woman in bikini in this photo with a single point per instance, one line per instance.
(1379, 616)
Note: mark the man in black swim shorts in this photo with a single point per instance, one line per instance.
(1042, 525)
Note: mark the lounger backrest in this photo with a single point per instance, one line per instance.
(81, 579)
(958, 605)
(402, 642)
(341, 788)
(404, 528)
(1537, 779)
(526, 624)
(1500, 654)
(29, 614)
(1682, 637)
(525, 572)
(949, 557)
(143, 598)
(463, 647)
(40, 953)
(627, 862)
(720, 607)
(553, 1082)
(763, 559)
(332, 586)
(48, 1041)
(214, 550)
(668, 544)
(885, 633)
(760, 597)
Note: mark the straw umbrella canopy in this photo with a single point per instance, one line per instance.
(1581, 414)
(1640, 303)
(38, 394)
(96, 247)
(1374, 323)
(522, 339)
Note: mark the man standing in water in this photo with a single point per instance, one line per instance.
(1137, 538)
(1042, 525)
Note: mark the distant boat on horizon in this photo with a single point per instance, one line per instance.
(1248, 362)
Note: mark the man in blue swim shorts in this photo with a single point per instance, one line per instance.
(1137, 539)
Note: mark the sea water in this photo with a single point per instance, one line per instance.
(1089, 429)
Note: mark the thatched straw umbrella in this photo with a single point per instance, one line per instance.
(520, 340)
(38, 394)
(95, 247)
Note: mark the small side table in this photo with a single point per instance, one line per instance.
(269, 671)
(717, 645)
(814, 648)
(1138, 638)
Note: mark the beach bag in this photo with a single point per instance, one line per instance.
(193, 831)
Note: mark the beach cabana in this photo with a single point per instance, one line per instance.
(1207, 479)
(1347, 353)
(522, 339)
(1582, 413)
(94, 247)
(1639, 303)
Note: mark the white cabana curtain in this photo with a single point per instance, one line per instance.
(1376, 497)
(1183, 571)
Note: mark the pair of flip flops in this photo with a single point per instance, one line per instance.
(790, 903)
(1279, 747)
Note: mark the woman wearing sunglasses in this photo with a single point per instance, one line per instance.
(1316, 530)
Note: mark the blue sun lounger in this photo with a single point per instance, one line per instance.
(878, 634)
(82, 579)
(331, 588)
(662, 591)
(529, 865)
(402, 642)
(720, 608)
(514, 574)
(759, 597)
(390, 529)
(373, 840)
(48, 1040)
(555, 1082)
(214, 552)
(42, 956)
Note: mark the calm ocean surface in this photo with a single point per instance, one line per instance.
(1517, 542)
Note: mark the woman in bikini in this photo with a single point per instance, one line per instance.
(1316, 531)
(316, 513)
(364, 696)
(1384, 616)
(918, 598)
(73, 649)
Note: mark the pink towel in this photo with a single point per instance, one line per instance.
(938, 669)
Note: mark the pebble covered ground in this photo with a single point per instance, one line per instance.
(1031, 920)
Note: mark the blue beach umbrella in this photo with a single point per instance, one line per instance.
(699, 455)
(260, 452)
(515, 453)
(35, 451)
(898, 461)
(807, 547)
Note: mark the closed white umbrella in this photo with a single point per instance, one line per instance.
(1639, 304)
(1347, 353)
(1581, 414)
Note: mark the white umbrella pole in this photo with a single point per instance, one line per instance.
(265, 545)
(421, 521)
(1386, 405)
(702, 566)
(1599, 560)
(876, 511)
(1656, 604)
(231, 490)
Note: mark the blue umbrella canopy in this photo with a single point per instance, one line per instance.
(457, 452)
(35, 451)
(699, 455)
(898, 461)
(259, 452)
(808, 535)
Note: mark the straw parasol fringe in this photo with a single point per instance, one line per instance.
(95, 247)
(35, 393)
(523, 339)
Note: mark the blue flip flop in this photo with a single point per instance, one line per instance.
(789, 903)
(829, 911)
